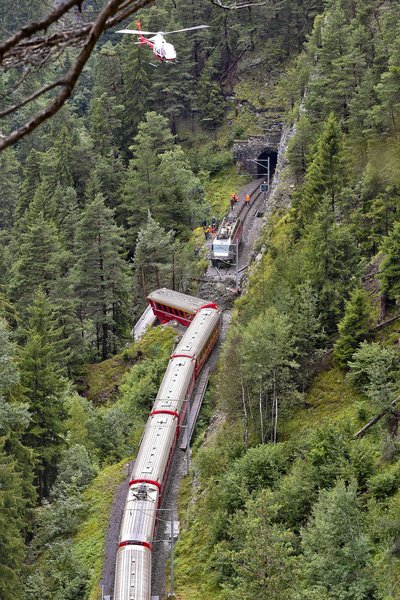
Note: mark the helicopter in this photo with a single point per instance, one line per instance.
(162, 50)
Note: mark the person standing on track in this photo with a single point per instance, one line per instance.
(248, 199)
(234, 199)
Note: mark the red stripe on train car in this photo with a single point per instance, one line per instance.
(209, 305)
(135, 543)
(182, 356)
(149, 481)
(165, 412)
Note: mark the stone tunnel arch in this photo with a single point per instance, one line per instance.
(262, 163)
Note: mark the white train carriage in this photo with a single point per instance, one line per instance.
(155, 450)
(133, 565)
(200, 337)
(133, 573)
(139, 515)
(176, 387)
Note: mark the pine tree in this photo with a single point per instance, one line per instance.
(38, 263)
(137, 91)
(354, 327)
(10, 187)
(105, 122)
(389, 272)
(12, 506)
(142, 178)
(335, 552)
(41, 376)
(326, 174)
(101, 275)
(153, 259)
(331, 262)
(179, 192)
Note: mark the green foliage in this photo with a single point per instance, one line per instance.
(354, 327)
(89, 540)
(331, 262)
(41, 377)
(389, 268)
(374, 371)
(335, 554)
(258, 559)
(38, 262)
(326, 174)
(12, 505)
(101, 276)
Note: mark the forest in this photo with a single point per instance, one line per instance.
(288, 496)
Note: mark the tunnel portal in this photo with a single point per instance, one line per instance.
(262, 163)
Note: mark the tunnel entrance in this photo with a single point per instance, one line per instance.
(262, 164)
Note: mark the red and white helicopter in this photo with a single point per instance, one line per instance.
(162, 50)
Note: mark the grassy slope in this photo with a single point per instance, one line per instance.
(89, 541)
(330, 400)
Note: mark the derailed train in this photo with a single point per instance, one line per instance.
(149, 474)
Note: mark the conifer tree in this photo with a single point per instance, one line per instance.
(137, 92)
(335, 552)
(179, 192)
(153, 258)
(389, 274)
(106, 178)
(331, 262)
(138, 194)
(326, 174)
(12, 506)
(38, 262)
(31, 175)
(10, 188)
(41, 377)
(354, 327)
(105, 122)
(14, 415)
(101, 275)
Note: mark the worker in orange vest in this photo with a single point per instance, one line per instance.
(234, 199)
(248, 198)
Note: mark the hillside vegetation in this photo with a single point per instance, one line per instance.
(103, 204)
(286, 503)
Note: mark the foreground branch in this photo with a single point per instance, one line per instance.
(237, 4)
(113, 12)
(377, 418)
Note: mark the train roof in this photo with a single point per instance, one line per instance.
(196, 336)
(178, 300)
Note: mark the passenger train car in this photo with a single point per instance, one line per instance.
(149, 474)
(168, 304)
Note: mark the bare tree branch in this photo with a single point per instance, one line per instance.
(16, 48)
(31, 28)
(238, 4)
(43, 90)
(375, 419)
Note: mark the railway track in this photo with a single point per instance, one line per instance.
(161, 542)
(232, 274)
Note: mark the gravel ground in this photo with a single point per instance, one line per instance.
(219, 286)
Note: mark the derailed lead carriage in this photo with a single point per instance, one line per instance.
(227, 241)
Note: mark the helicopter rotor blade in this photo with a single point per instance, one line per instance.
(136, 31)
(187, 29)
